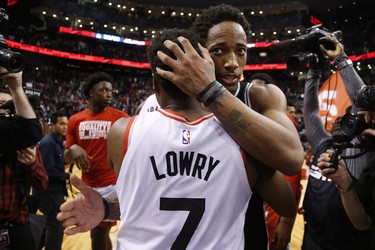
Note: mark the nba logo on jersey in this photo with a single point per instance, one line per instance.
(185, 136)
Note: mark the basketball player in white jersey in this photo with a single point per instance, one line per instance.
(149, 105)
(183, 183)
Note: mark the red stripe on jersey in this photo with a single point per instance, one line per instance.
(126, 136)
(181, 118)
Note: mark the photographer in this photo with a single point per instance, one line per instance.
(21, 167)
(324, 214)
(23, 129)
(357, 195)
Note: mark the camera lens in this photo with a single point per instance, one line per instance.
(12, 61)
(352, 125)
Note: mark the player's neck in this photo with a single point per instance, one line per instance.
(95, 109)
(191, 110)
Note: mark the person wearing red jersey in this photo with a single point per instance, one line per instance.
(86, 146)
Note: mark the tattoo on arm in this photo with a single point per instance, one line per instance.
(232, 122)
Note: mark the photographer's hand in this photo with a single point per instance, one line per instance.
(340, 176)
(27, 156)
(350, 200)
(332, 54)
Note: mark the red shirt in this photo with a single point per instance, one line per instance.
(90, 132)
(13, 204)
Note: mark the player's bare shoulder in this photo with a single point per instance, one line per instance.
(267, 96)
(115, 143)
(119, 127)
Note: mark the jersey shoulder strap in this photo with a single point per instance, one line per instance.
(243, 93)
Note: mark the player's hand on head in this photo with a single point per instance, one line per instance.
(191, 71)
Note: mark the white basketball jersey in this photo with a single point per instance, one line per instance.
(151, 104)
(182, 185)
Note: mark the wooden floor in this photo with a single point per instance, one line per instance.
(82, 241)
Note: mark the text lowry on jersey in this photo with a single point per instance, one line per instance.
(185, 163)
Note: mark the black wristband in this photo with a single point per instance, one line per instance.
(106, 209)
(209, 94)
(342, 61)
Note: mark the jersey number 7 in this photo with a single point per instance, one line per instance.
(196, 206)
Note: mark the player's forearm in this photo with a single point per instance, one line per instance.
(262, 138)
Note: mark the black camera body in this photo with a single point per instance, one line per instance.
(335, 157)
(308, 44)
(352, 125)
(12, 61)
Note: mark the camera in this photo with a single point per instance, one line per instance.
(12, 61)
(352, 125)
(308, 44)
(336, 155)
(365, 97)
(300, 60)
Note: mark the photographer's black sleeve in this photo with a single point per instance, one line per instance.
(352, 81)
(18, 133)
(316, 134)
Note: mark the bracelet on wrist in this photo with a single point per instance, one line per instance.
(344, 64)
(106, 209)
(348, 189)
(342, 61)
(209, 94)
(111, 209)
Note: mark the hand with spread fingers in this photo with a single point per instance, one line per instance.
(190, 66)
(84, 212)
